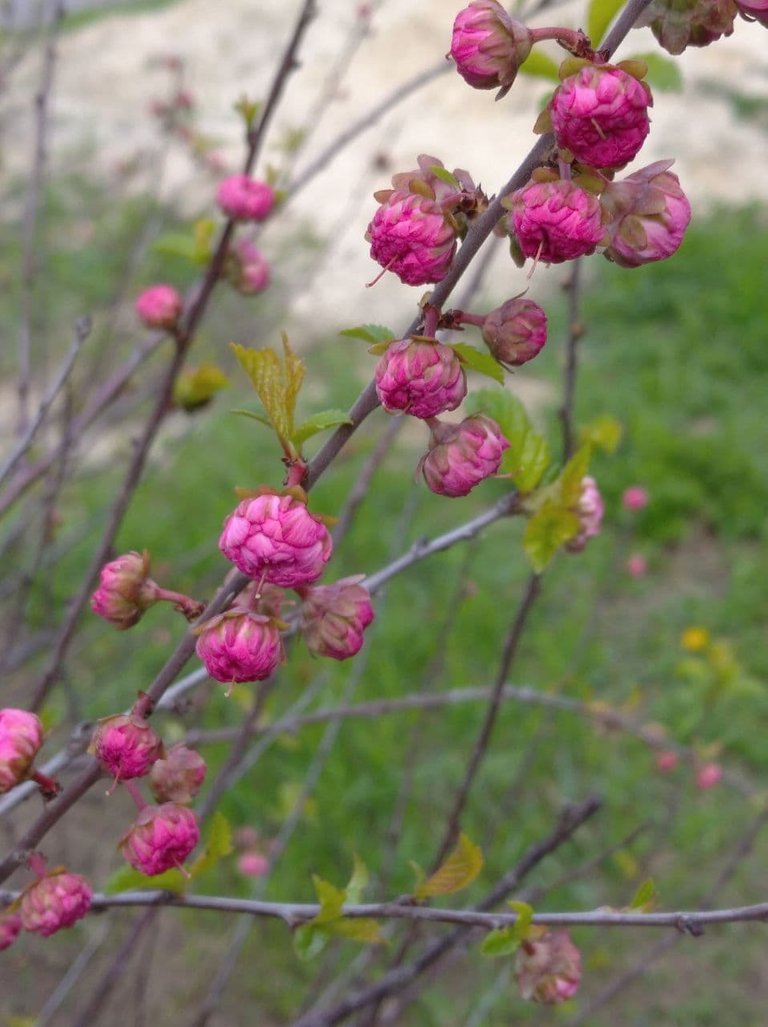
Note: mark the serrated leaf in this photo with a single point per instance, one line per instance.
(501, 942)
(331, 900)
(309, 941)
(358, 882)
(539, 65)
(369, 333)
(549, 528)
(459, 870)
(363, 929)
(276, 383)
(605, 433)
(483, 363)
(600, 14)
(128, 879)
(319, 422)
(254, 417)
(644, 896)
(294, 376)
(663, 73)
(528, 456)
(218, 844)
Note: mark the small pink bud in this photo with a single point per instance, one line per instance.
(590, 512)
(160, 838)
(240, 646)
(278, 539)
(126, 746)
(667, 761)
(178, 776)
(678, 24)
(421, 377)
(555, 221)
(334, 617)
(245, 199)
(125, 590)
(516, 331)
(635, 498)
(10, 925)
(649, 215)
(637, 565)
(159, 306)
(55, 901)
(21, 735)
(600, 114)
(488, 45)
(411, 236)
(253, 864)
(462, 455)
(548, 968)
(248, 268)
(708, 775)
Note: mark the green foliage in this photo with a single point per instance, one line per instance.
(369, 333)
(600, 14)
(528, 457)
(483, 363)
(456, 873)
(538, 65)
(506, 940)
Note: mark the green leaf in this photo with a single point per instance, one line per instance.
(663, 73)
(549, 528)
(524, 916)
(331, 900)
(459, 870)
(319, 422)
(539, 65)
(605, 433)
(571, 476)
(528, 457)
(370, 333)
(218, 844)
(254, 417)
(445, 176)
(309, 941)
(645, 896)
(600, 14)
(128, 879)
(363, 929)
(501, 942)
(358, 882)
(176, 244)
(483, 363)
(277, 385)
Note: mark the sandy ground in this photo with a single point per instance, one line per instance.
(106, 79)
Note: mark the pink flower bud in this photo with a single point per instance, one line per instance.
(637, 565)
(548, 968)
(253, 864)
(412, 237)
(334, 617)
(248, 268)
(421, 377)
(455, 193)
(649, 212)
(635, 498)
(678, 24)
(600, 114)
(160, 838)
(159, 306)
(754, 10)
(10, 925)
(667, 761)
(126, 746)
(590, 512)
(277, 538)
(240, 646)
(125, 590)
(21, 735)
(245, 199)
(462, 455)
(488, 45)
(555, 221)
(55, 901)
(708, 775)
(178, 776)
(516, 331)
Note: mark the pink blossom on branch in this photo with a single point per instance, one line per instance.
(600, 114)
(635, 498)
(548, 968)
(462, 455)
(277, 539)
(178, 776)
(53, 902)
(21, 735)
(516, 331)
(245, 199)
(126, 746)
(708, 775)
(159, 306)
(554, 221)
(678, 24)
(334, 617)
(488, 45)
(420, 377)
(412, 237)
(240, 646)
(160, 838)
(649, 213)
(590, 509)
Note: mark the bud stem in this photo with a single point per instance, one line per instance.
(191, 608)
(49, 787)
(135, 793)
(573, 40)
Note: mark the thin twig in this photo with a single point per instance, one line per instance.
(574, 334)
